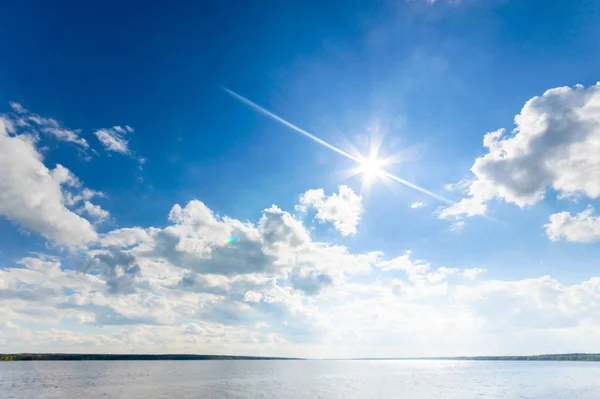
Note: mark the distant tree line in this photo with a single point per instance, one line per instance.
(581, 357)
(585, 357)
(75, 356)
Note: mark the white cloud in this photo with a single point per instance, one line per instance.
(158, 305)
(270, 285)
(18, 108)
(309, 280)
(31, 194)
(94, 211)
(62, 175)
(124, 237)
(252, 296)
(555, 144)
(540, 303)
(41, 280)
(280, 231)
(113, 139)
(473, 273)
(417, 205)
(404, 262)
(66, 135)
(196, 241)
(442, 274)
(276, 245)
(86, 194)
(343, 209)
(47, 126)
(418, 271)
(582, 227)
(457, 226)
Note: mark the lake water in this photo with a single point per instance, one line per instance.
(300, 379)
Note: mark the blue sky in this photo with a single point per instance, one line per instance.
(140, 122)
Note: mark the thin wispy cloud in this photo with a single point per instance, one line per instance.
(48, 126)
(417, 204)
(114, 140)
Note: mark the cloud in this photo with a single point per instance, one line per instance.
(417, 205)
(554, 145)
(457, 226)
(199, 241)
(47, 126)
(309, 281)
(94, 211)
(252, 296)
(114, 139)
(582, 227)
(196, 241)
(334, 320)
(32, 195)
(66, 135)
(276, 244)
(40, 280)
(417, 271)
(404, 262)
(86, 194)
(119, 268)
(18, 108)
(279, 229)
(343, 209)
(124, 237)
(540, 303)
(473, 273)
(204, 281)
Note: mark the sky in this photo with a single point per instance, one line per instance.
(307, 179)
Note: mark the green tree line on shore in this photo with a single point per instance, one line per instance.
(587, 357)
(77, 356)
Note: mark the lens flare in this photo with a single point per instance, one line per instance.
(230, 240)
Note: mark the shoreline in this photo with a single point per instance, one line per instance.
(577, 357)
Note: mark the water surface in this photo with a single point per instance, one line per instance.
(406, 379)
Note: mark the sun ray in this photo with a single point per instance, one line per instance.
(370, 166)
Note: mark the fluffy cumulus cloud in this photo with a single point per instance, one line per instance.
(208, 283)
(343, 209)
(37, 197)
(213, 284)
(555, 145)
(583, 227)
(33, 196)
(309, 281)
(269, 283)
(94, 211)
(540, 303)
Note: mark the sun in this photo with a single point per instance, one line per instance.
(370, 169)
(370, 165)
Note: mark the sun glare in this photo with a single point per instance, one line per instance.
(370, 168)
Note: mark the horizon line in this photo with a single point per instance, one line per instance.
(29, 356)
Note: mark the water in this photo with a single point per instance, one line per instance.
(300, 379)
